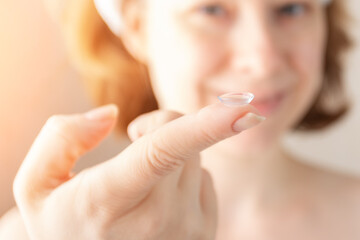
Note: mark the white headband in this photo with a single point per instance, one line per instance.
(110, 11)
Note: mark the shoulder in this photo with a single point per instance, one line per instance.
(348, 185)
(340, 186)
(341, 198)
(328, 181)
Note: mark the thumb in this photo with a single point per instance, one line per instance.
(149, 122)
(62, 140)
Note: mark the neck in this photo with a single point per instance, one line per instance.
(244, 173)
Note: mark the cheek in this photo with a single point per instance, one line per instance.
(310, 65)
(308, 62)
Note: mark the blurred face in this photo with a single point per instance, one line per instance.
(199, 49)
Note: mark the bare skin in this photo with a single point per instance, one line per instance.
(294, 201)
(271, 48)
(303, 200)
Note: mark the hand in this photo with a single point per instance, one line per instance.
(154, 189)
(12, 226)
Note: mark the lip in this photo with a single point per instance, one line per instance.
(268, 105)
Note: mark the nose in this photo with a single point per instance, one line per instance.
(256, 48)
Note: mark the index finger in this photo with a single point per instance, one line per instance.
(140, 166)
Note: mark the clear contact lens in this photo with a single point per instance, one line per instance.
(236, 99)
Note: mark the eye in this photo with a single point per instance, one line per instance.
(292, 10)
(214, 10)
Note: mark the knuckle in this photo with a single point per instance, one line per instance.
(209, 137)
(161, 159)
(59, 125)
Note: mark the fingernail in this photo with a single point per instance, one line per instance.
(234, 99)
(248, 121)
(102, 113)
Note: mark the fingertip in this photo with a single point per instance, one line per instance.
(132, 131)
(103, 113)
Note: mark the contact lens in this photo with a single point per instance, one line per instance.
(236, 99)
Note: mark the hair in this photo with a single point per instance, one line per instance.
(112, 75)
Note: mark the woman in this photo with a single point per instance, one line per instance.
(178, 56)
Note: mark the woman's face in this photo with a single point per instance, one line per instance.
(199, 49)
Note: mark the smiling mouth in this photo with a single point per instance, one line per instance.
(269, 105)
